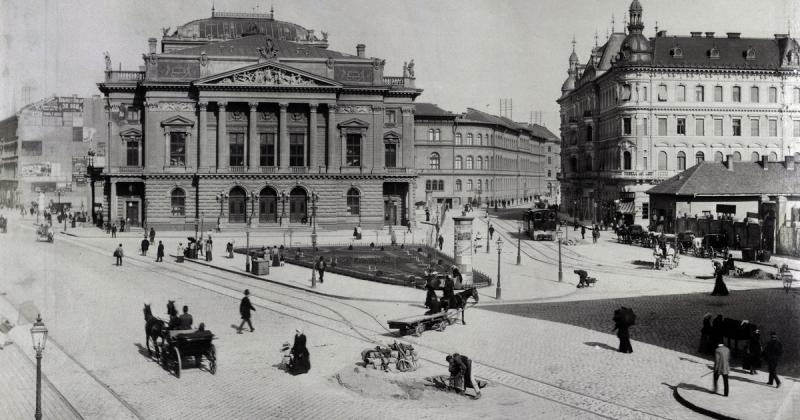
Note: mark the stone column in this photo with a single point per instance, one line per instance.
(333, 160)
(312, 138)
(202, 138)
(283, 135)
(377, 146)
(254, 147)
(223, 149)
(112, 203)
(462, 253)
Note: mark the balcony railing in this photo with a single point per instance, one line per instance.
(124, 76)
(298, 169)
(130, 169)
(268, 169)
(238, 169)
(395, 81)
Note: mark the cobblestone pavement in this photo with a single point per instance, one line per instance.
(674, 321)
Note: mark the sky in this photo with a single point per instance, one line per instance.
(467, 53)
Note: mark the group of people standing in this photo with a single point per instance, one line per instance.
(771, 353)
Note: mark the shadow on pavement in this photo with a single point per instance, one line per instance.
(600, 345)
(693, 387)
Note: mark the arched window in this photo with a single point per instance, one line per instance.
(699, 157)
(718, 157)
(480, 139)
(458, 138)
(441, 185)
(773, 156)
(433, 160)
(681, 161)
(469, 139)
(353, 202)
(480, 185)
(662, 161)
(428, 185)
(737, 157)
(430, 134)
(755, 157)
(626, 160)
(486, 184)
(437, 136)
(459, 162)
(469, 162)
(469, 185)
(479, 163)
(458, 185)
(178, 202)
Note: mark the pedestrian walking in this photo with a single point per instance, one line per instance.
(321, 266)
(408, 226)
(209, 246)
(114, 230)
(772, 354)
(491, 231)
(145, 246)
(152, 235)
(122, 225)
(623, 319)
(722, 366)
(244, 310)
(393, 237)
(118, 254)
(441, 242)
(160, 252)
(720, 289)
(229, 248)
(752, 355)
(583, 232)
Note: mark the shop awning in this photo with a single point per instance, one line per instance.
(627, 207)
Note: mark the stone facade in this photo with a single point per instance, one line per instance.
(260, 130)
(641, 110)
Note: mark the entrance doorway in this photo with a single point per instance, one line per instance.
(268, 206)
(132, 213)
(237, 208)
(390, 210)
(298, 205)
(395, 203)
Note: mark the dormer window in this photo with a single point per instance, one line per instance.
(750, 54)
(676, 52)
(714, 52)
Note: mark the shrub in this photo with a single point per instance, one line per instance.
(372, 244)
(382, 248)
(350, 248)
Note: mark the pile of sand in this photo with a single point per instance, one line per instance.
(378, 384)
(758, 274)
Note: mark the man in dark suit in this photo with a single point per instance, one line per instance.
(772, 354)
(185, 319)
(722, 366)
(160, 252)
(244, 310)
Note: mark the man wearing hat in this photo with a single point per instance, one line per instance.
(772, 354)
(244, 310)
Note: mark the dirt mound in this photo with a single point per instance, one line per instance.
(378, 384)
(758, 274)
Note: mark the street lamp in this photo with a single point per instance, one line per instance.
(221, 198)
(90, 168)
(247, 252)
(146, 213)
(519, 238)
(314, 198)
(558, 235)
(253, 196)
(39, 338)
(498, 291)
(283, 208)
(488, 235)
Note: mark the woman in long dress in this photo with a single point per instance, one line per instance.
(301, 362)
(720, 289)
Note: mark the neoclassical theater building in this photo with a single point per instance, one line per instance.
(642, 109)
(241, 118)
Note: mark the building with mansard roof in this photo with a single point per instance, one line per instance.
(642, 109)
(242, 119)
(476, 157)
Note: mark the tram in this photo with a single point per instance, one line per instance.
(541, 224)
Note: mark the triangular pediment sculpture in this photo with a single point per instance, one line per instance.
(267, 74)
(177, 120)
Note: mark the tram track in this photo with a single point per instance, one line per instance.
(221, 285)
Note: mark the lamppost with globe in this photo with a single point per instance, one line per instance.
(558, 236)
(519, 237)
(314, 198)
(221, 199)
(39, 338)
(498, 291)
(488, 226)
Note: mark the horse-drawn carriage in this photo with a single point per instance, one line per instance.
(44, 233)
(178, 346)
(711, 246)
(417, 324)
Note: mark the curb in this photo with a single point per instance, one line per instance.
(698, 409)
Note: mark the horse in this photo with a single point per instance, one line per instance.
(459, 301)
(152, 329)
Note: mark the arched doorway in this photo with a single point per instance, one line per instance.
(298, 205)
(237, 205)
(268, 206)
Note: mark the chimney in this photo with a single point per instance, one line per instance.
(764, 160)
(661, 34)
(730, 162)
(789, 162)
(697, 34)
(151, 42)
(734, 35)
(360, 50)
(709, 34)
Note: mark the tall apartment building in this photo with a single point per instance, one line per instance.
(643, 109)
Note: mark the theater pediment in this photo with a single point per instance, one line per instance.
(266, 74)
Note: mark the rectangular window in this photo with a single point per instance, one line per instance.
(267, 153)
(390, 155)
(644, 93)
(391, 117)
(717, 126)
(773, 95)
(737, 94)
(699, 93)
(353, 205)
(662, 93)
(132, 153)
(717, 93)
(737, 126)
(681, 127)
(626, 126)
(796, 128)
(754, 94)
(645, 127)
(662, 126)
(236, 148)
(699, 127)
(680, 93)
(177, 148)
(31, 148)
(773, 128)
(645, 210)
(132, 115)
(754, 127)
(77, 134)
(297, 149)
(353, 155)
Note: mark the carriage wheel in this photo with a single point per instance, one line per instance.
(212, 359)
(162, 355)
(441, 326)
(178, 366)
(147, 344)
(419, 329)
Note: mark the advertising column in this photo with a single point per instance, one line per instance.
(463, 248)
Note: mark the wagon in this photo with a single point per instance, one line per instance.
(44, 233)
(419, 323)
(179, 346)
